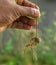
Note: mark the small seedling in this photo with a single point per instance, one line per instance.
(35, 40)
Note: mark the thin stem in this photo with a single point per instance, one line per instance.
(36, 27)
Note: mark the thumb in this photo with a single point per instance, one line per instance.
(28, 11)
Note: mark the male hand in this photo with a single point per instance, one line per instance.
(14, 15)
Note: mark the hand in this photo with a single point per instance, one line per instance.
(10, 11)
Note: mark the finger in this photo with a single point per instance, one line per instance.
(20, 25)
(27, 20)
(27, 3)
(28, 11)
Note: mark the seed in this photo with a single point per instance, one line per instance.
(33, 42)
(35, 39)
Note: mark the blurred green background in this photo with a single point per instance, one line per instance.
(13, 41)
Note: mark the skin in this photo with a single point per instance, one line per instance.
(14, 15)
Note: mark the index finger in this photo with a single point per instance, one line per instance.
(27, 3)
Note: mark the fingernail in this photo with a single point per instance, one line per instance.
(37, 13)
